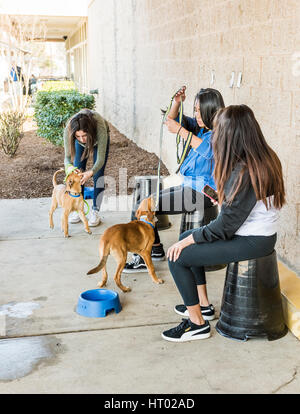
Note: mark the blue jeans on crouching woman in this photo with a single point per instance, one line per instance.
(98, 178)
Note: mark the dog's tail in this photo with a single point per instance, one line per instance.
(104, 253)
(54, 176)
(99, 267)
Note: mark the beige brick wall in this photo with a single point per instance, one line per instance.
(141, 51)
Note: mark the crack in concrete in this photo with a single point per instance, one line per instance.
(287, 382)
(86, 330)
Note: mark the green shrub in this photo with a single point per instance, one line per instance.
(57, 86)
(54, 108)
(11, 131)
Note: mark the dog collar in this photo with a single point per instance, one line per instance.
(148, 222)
(74, 196)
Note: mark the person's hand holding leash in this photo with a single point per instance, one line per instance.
(173, 126)
(85, 176)
(180, 95)
(174, 251)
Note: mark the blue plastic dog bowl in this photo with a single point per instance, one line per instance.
(88, 192)
(96, 303)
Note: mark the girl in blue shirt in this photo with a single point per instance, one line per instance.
(196, 170)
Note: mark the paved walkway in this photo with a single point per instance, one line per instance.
(46, 347)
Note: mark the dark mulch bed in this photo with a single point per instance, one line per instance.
(29, 173)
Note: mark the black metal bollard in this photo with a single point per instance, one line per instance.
(251, 303)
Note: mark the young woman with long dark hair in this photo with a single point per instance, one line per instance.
(87, 134)
(251, 192)
(196, 171)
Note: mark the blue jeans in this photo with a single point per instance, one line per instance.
(98, 177)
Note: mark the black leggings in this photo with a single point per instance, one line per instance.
(178, 200)
(188, 270)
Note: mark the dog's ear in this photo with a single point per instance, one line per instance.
(150, 208)
(142, 209)
(69, 183)
(150, 204)
(138, 213)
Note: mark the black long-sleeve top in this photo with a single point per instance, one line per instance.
(232, 216)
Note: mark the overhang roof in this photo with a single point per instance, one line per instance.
(59, 18)
(65, 8)
(56, 28)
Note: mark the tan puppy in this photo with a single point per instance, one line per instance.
(70, 198)
(136, 237)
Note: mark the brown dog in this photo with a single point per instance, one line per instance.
(70, 198)
(136, 237)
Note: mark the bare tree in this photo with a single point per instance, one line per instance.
(18, 33)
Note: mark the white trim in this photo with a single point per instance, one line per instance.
(76, 46)
(78, 26)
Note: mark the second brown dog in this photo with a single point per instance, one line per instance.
(136, 237)
(70, 198)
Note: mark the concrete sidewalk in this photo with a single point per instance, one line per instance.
(46, 347)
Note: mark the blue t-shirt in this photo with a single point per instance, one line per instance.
(198, 166)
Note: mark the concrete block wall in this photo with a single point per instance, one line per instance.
(142, 51)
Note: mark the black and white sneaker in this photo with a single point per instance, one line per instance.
(208, 312)
(187, 331)
(137, 265)
(158, 253)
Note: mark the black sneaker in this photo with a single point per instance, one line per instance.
(158, 253)
(208, 312)
(187, 331)
(136, 265)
